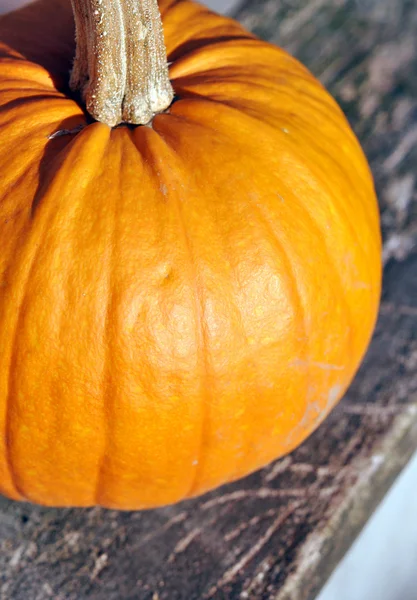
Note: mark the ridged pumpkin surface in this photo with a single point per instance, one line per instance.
(179, 304)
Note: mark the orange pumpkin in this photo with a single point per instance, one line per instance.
(184, 302)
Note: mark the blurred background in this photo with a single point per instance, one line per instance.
(223, 6)
(382, 564)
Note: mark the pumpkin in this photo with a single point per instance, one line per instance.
(183, 301)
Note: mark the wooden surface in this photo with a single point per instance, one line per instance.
(279, 533)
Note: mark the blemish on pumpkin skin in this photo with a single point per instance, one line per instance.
(165, 274)
(361, 285)
(320, 365)
(333, 395)
(315, 413)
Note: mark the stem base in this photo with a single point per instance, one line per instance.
(120, 66)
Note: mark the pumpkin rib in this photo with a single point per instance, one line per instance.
(199, 50)
(297, 295)
(12, 369)
(231, 54)
(98, 137)
(100, 156)
(239, 78)
(201, 335)
(15, 69)
(27, 94)
(329, 253)
(30, 265)
(22, 102)
(353, 233)
(333, 266)
(107, 403)
(22, 176)
(288, 67)
(42, 131)
(43, 223)
(191, 46)
(370, 217)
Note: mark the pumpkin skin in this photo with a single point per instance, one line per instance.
(183, 303)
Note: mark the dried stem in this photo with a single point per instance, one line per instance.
(120, 66)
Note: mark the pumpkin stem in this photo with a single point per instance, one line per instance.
(120, 66)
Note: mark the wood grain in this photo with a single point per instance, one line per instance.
(278, 534)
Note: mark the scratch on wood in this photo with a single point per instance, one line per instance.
(257, 493)
(279, 467)
(247, 524)
(183, 544)
(175, 520)
(406, 144)
(231, 573)
(373, 410)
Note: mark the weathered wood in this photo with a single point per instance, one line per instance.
(277, 534)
